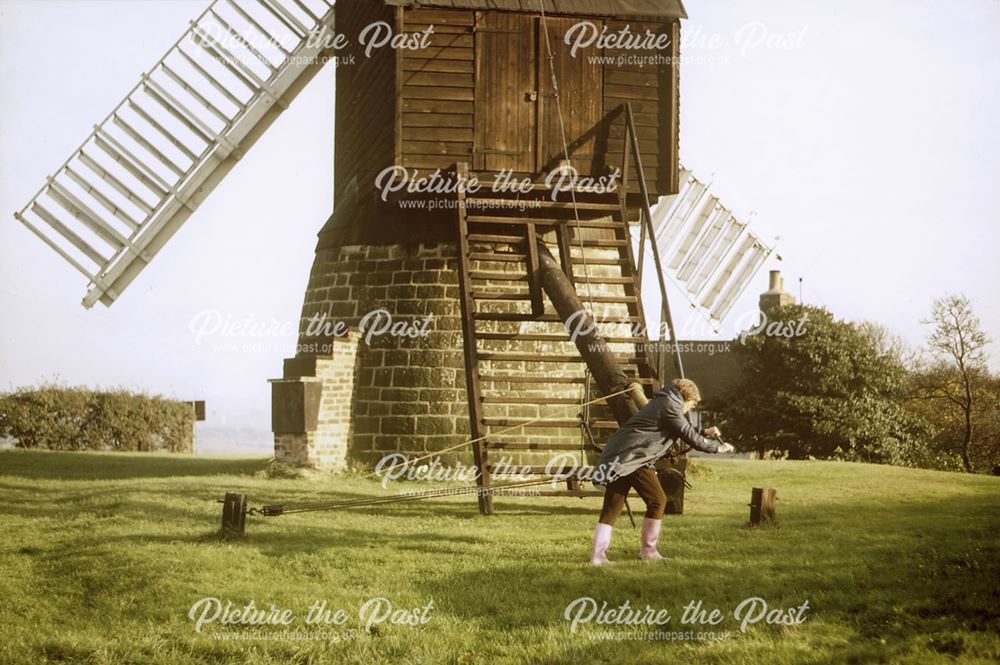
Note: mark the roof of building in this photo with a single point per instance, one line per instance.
(616, 8)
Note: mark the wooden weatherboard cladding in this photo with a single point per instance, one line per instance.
(669, 9)
(481, 93)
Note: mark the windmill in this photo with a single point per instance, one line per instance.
(492, 90)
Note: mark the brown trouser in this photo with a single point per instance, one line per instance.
(646, 485)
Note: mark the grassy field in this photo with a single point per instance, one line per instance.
(103, 556)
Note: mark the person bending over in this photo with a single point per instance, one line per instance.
(629, 456)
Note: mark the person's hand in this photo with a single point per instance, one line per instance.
(725, 448)
(713, 433)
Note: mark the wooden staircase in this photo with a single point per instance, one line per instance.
(526, 380)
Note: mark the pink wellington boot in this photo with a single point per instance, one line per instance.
(650, 535)
(602, 539)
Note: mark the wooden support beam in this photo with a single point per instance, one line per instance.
(476, 428)
(534, 285)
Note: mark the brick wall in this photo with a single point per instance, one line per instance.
(326, 446)
(409, 394)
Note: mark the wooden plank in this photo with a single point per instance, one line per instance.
(99, 196)
(432, 92)
(631, 92)
(544, 447)
(442, 52)
(432, 161)
(506, 113)
(439, 16)
(457, 135)
(437, 148)
(669, 177)
(555, 423)
(451, 106)
(468, 309)
(439, 28)
(439, 65)
(119, 186)
(632, 78)
(449, 41)
(580, 80)
(439, 79)
(82, 212)
(532, 265)
(544, 380)
(450, 120)
(68, 234)
(481, 295)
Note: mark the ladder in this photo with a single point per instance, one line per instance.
(521, 365)
(160, 152)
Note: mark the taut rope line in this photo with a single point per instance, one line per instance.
(463, 445)
(565, 146)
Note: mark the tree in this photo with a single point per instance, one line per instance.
(958, 374)
(815, 386)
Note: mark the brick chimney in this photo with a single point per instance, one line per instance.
(775, 296)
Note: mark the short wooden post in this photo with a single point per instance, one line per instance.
(762, 505)
(234, 514)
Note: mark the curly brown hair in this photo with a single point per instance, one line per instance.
(688, 390)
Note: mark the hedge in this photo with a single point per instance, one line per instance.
(64, 418)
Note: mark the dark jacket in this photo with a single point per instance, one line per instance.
(648, 435)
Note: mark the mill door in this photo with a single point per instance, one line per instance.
(506, 93)
(581, 86)
(517, 122)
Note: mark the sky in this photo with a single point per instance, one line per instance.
(863, 135)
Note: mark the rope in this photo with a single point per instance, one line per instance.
(467, 443)
(565, 145)
(375, 501)
(503, 431)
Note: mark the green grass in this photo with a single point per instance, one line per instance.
(103, 555)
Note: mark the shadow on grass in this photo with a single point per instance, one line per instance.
(59, 465)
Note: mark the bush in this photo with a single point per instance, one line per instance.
(834, 392)
(64, 418)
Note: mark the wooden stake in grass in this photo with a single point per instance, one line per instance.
(234, 514)
(762, 505)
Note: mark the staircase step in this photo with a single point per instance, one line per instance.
(545, 318)
(597, 243)
(516, 317)
(544, 337)
(543, 204)
(536, 187)
(499, 276)
(514, 257)
(594, 279)
(522, 277)
(553, 422)
(533, 400)
(595, 261)
(543, 358)
(599, 223)
(482, 295)
(520, 378)
(604, 300)
(502, 239)
(506, 257)
(540, 470)
(543, 447)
